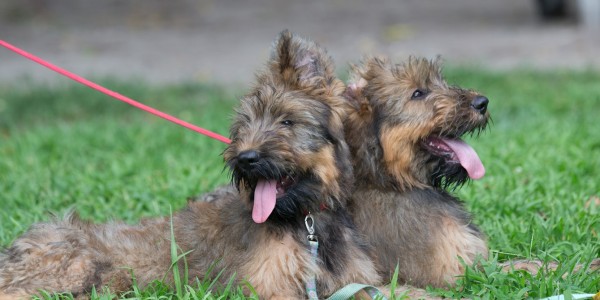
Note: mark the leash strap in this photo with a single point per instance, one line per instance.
(351, 289)
(113, 94)
(313, 243)
(311, 285)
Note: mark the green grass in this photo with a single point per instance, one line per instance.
(66, 147)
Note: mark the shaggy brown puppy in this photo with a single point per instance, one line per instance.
(288, 159)
(403, 130)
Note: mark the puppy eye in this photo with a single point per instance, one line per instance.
(287, 123)
(418, 94)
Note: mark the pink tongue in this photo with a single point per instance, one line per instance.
(265, 194)
(467, 157)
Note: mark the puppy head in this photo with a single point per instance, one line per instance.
(288, 155)
(414, 121)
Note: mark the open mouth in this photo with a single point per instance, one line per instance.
(455, 150)
(266, 193)
(283, 184)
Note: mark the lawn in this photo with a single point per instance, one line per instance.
(66, 147)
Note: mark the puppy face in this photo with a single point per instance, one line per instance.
(417, 120)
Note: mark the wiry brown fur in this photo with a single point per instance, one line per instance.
(400, 203)
(299, 86)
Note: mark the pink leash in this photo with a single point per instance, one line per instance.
(115, 94)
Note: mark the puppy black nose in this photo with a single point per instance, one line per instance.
(480, 104)
(248, 157)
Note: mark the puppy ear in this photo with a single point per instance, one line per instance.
(354, 95)
(418, 68)
(438, 62)
(373, 67)
(433, 65)
(300, 62)
(357, 81)
(438, 65)
(374, 72)
(372, 76)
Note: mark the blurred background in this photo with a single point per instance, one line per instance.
(226, 41)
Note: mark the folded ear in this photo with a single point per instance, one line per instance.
(354, 95)
(367, 78)
(372, 69)
(300, 62)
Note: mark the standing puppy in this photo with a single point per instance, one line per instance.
(404, 130)
(292, 167)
